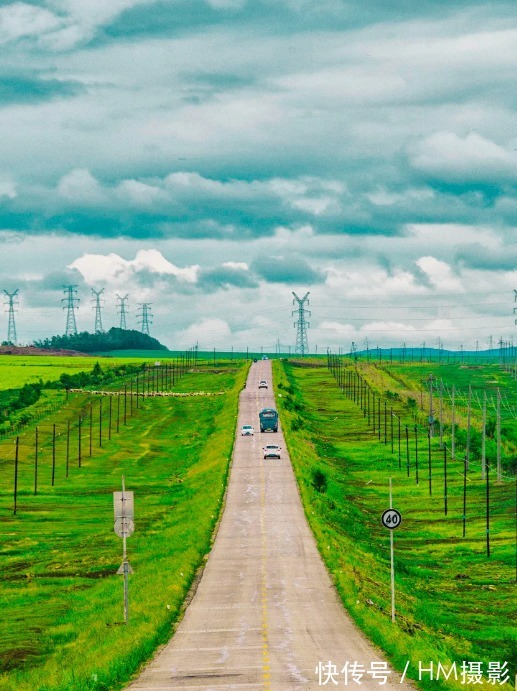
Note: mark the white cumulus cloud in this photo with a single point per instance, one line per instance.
(472, 158)
(20, 20)
(112, 268)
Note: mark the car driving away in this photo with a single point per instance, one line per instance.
(272, 451)
(247, 430)
(263, 384)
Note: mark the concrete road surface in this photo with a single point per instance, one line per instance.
(265, 614)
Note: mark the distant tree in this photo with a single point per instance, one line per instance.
(114, 339)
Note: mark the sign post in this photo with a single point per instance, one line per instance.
(391, 519)
(124, 509)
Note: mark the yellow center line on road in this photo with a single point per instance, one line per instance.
(265, 631)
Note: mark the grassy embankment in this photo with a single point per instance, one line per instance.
(61, 598)
(411, 381)
(452, 602)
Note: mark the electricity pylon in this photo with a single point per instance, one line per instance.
(11, 304)
(97, 307)
(302, 344)
(146, 317)
(70, 307)
(122, 311)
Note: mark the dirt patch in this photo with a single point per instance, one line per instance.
(32, 350)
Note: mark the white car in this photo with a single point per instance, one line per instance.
(263, 384)
(247, 430)
(272, 451)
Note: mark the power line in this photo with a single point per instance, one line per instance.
(11, 304)
(70, 306)
(122, 311)
(97, 307)
(302, 343)
(144, 309)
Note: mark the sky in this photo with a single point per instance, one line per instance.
(212, 157)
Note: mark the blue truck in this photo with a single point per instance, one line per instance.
(268, 420)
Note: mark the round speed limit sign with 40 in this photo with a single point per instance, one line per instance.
(391, 518)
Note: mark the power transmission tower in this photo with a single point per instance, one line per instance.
(146, 317)
(11, 304)
(97, 307)
(122, 311)
(70, 307)
(302, 344)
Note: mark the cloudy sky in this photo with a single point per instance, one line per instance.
(209, 157)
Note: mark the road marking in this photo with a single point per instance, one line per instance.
(265, 631)
(218, 648)
(250, 628)
(255, 685)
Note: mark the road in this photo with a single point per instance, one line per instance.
(265, 614)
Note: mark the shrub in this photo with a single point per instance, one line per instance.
(319, 480)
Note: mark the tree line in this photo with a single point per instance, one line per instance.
(114, 339)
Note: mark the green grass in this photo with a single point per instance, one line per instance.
(480, 377)
(61, 600)
(453, 603)
(406, 384)
(17, 370)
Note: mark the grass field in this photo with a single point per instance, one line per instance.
(452, 602)
(15, 371)
(62, 606)
(487, 378)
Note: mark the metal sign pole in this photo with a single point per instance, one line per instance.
(391, 519)
(392, 565)
(124, 556)
(124, 527)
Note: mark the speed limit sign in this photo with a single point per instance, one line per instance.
(391, 519)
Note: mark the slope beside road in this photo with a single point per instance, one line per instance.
(265, 614)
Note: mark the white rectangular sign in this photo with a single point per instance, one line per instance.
(124, 506)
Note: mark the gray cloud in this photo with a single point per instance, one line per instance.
(368, 149)
(24, 89)
(225, 277)
(477, 256)
(290, 269)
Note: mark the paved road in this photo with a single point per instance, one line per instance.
(265, 613)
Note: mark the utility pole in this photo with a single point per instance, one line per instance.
(431, 417)
(12, 302)
(70, 307)
(483, 439)
(146, 316)
(122, 310)
(453, 422)
(498, 434)
(97, 307)
(302, 344)
(467, 447)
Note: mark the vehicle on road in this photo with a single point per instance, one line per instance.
(247, 430)
(263, 384)
(265, 357)
(272, 451)
(268, 420)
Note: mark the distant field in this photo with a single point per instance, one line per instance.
(15, 371)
